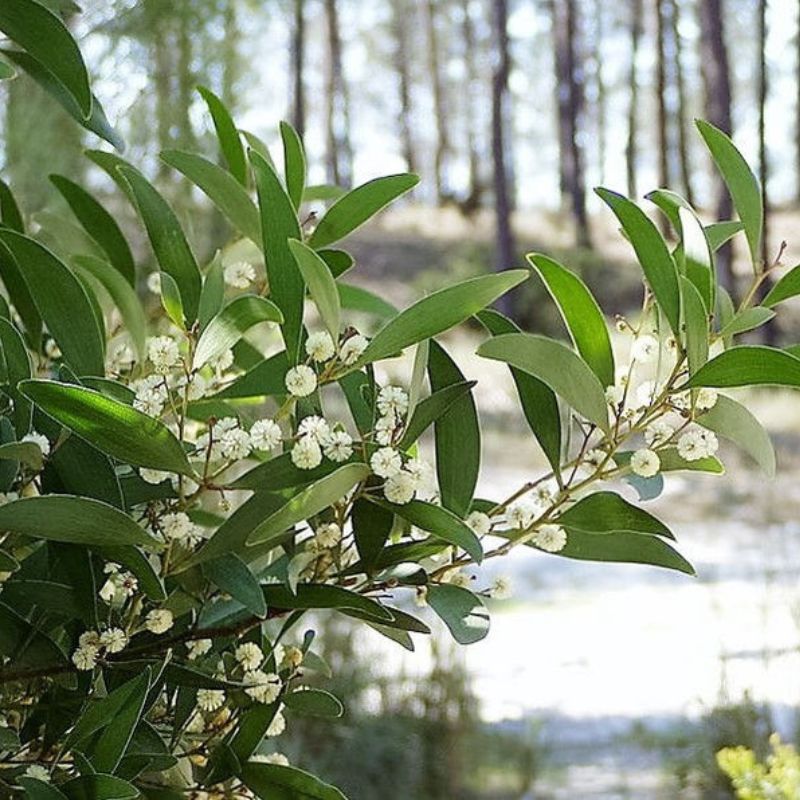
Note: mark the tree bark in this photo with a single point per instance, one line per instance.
(663, 144)
(684, 139)
(600, 88)
(475, 182)
(631, 147)
(442, 146)
(297, 102)
(400, 20)
(339, 151)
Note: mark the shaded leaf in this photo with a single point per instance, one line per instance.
(463, 612)
(749, 365)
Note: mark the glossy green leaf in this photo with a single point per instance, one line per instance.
(212, 296)
(788, 286)
(39, 790)
(652, 253)
(321, 285)
(79, 520)
(46, 39)
(10, 214)
(113, 427)
(18, 368)
(171, 300)
(266, 378)
(696, 323)
(603, 512)
(111, 163)
(20, 296)
(319, 595)
(99, 787)
(294, 163)
(316, 702)
(749, 365)
(734, 422)
(100, 225)
(356, 298)
(338, 261)
(432, 408)
(167, 238)
(747, 320)
(322, 192)
(228, 135)
(25, 643)
(671, 461)
(463, 612)
(439, 312)
(720, 233)
(582, 316)
(124, 297)
(555, 365)
(233, 576)
(741, 182)
(354, 208)
(62, 302)
(279, 224)
(280, 473)
(698, 261)
(227, 194)
(286, 783)
(224, 330)
(372, 525)
(7, 72)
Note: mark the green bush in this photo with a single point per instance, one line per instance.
(776, 778)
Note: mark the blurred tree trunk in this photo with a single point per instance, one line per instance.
(298, 56)
(662, 126)
(716, 79)
(186, 79)
(400, 19)
(570, 88)
(684, 138)
(339, 151)
(600, 88)
(631, 147)
(442, 147)
(162, 75)
(763, 87)
(504, 235)
(475, 181)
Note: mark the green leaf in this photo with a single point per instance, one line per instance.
(227, 194)
(748, 365)
(213, 295)
(316, 702)
(10, 215)
(321, 285)
(228, 135)
(671, 461)
(113, 427)
(555, 365)
(440, 522)
(26, 453)
(457, 436)
(432, 408)
(294, 163)
(47, 39)
(21, 297)
(321, 595)
(603, 512)
(322, 192)
(582, 316)
(338, 261)
(124, 297)
(111, 163)
(39, 790)
(168, 241)
(286, 783)
(8, 740)
(699, 263)
(372, 524)
(279, 473)
(652, 252)
(788, 286)
(171, 300)
(439, 312)
(99, 787)
(26, 644)
(7, 72)
(747, 320)
(233, 576)
(354, 208)
(741, 182)
(309, 501)
(720, 233)
(356, 298)
(266, 378)
(100, 225)
(136, 562)
(79, 520)
(538, 400)
(696, 325)
(463, 612)
(279, 224)
(224, 330)
(18, 368)
(734, 422)
(62, 302)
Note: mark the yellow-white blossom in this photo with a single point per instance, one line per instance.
(306, 454)
(249, 655)
(159, 620)
(265, 435)
(352, 349)
(550, 537)
(645, 463)
(386, 462)
(320, 346)
(301, 381)
(263, 687)
(239, 275)
(210, 699)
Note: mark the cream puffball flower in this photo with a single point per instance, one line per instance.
(306, 454)
(644, 349)
(320, 346)
(338, 446)
(521, 514)
(163, 353)
(265, 434)
(159, 620)
(263, 687)
(645, 463)
(301, 380)
(239, 275)
(315, 427)
(392, 400)
(85, 657)
(551, 538)
(198, 648)
(114, 640)
(328, 535)
(706, 399)
(210, 699)
(352, 349)
(386, 462)
(479, 523)
(658, 433)
(400, 488)
(249, 655)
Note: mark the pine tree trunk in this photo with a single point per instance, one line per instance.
(339, 151)
(400, 19)
(442, 146)
(631, 147)
(475, 182)
(297, 102)
(684, 138)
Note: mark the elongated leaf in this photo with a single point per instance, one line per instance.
(582, 316)
(21, 297)
(62, 302)
(430, 409)
(10, 215)
(538, 400)
(124, 297)
(280, 473)
(231, 323)
(18, 368)
(233, 576)
(26, 453)
(171, 300)
(749, 365)
(651, 251)
(286, 783)
(457, 436)
(7, 72)
(111, 163)
(227, 194)
(279, 224)
(100, 225)
(309, 501)
(315, 702)
(319, 595)
(47, 39)
(322, 192)
(734, 422)
(25, 643)
(439, 312)
(555, 365)
(440, 522)
(372, 524)
(213, 295)
(266, 378)
(227, 134)
(741, 182)
(39, 790)
(166, 236)
(78, 520)
(321, 285)
(462, 611)
(356, 298)
(720, 233)
(696, 325)
(354, 208)
(97, 786)
(294, 163)
(603, 512)
(788, 286)
(113, 427)
(747, 320)
(671, 461)
(698, 261)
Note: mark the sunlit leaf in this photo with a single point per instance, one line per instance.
(228, 135)
(321, 285)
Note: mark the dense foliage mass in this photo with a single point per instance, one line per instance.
(182, 488)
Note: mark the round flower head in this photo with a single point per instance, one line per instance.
(265, 434)
(177, 526)
(89, 639)
(338, 446)
(384, 429)
(249, 655)
(315, 427)
(39, 440)
(39, 773)
(696, 444)
(644, 349)
(386, 462)
(154, 282)
(645, 463)
(392, 400)
(85, 657)
(458, 578)
(424, 475)
(239, 275)
(328, 535)
(615, 395)
(501, 588)
(163, 353)
(352, 349)
(306, 454)
(210, 699)
(479, 523)
(551, 538)
(301, 381)
(320, 346)
(159, 620)
(277, 726)
(198, 648)
(658, 433)
(400, 488)
(235, 444)
(263, 687)
(706, 399)
(292, 657)
(521, 514)
(114, 640)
